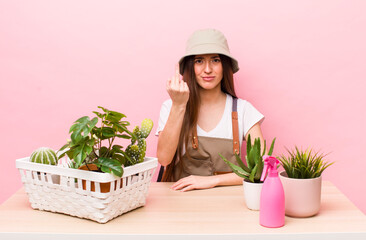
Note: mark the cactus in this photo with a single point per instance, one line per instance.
(137, 133)
(146, 126)
(142, 148)
(136, 152)
(44, 155)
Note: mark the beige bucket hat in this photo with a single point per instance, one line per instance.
(208, 41)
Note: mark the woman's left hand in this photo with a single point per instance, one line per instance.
(195, 182)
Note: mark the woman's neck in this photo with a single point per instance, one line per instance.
(212, 96)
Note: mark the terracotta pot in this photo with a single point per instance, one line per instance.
(302, 196)
(104, 187)
(252, 194)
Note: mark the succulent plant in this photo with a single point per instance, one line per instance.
(252, 171)
(136, 151)
(304, 164)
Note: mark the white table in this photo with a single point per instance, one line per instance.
(218, 213)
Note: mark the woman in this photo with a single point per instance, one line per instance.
(203, 117)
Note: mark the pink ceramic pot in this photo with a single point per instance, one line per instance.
(302, 196)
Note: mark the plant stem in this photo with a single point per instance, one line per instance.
(95, 153)
(101, 130)
(87, 166)
(110, 144)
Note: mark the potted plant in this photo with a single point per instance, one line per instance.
(93, 147)
(252, 171)
(301, 181)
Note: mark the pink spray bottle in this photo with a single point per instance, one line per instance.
(272, 203)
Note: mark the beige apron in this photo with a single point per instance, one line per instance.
(204, 152)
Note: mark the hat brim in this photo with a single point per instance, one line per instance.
(199, 51)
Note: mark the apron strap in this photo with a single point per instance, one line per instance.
(194, 138)
(235, 125)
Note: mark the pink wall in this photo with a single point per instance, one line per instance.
(302, 65)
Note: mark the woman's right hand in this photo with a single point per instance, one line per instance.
(178, 89)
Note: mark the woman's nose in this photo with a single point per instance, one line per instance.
(208, 68)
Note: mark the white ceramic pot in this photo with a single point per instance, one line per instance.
(302, 196)
(252, 194)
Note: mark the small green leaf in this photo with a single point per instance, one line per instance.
(264, 148)
(257, 146)
(82, 128)
(272, 146)
(79, 157)
(241, 164)
(259, 171)
(104, 109)
(97, 132)
(252, 174)
(108, 132)
(249, 144)
(117, 147)
(121, 128)
(124, 136)
(251, 158)
(105, 169)
(237, 170)
(82, 150)
(115, 116)
(100, 115)
(114, 165)
(119, 157)
(103, 152)
(124, 123)
(67, 145)
(92, 123)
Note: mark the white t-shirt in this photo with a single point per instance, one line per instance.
(248, 116)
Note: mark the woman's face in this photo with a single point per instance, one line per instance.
(208, 70)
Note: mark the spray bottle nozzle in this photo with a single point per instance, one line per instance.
(270, 163)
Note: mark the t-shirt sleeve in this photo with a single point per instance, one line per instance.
(163, 117)
(251, 116)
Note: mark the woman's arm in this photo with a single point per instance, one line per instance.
(168, 138)
(204, 182)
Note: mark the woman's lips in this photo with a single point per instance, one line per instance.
(208, 78)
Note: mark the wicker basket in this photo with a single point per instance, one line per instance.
(58, 189)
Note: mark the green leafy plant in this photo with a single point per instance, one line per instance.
(252, 171)
(304, 164)
(92, 144)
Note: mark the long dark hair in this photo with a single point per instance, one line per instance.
(192, 108)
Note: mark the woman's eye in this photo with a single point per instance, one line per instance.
(216, 60)
(198, 61)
